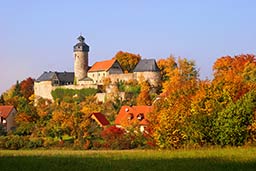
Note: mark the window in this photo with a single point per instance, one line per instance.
(98, 74)
(140, 116)
(130, 116)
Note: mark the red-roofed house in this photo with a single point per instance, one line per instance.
(100, 119)
(7, 114)
(130, 115)
(102, 69)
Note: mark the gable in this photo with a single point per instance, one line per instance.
(116, 68)
(5, 111)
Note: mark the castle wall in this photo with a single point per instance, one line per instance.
(77, 87)
(152, 77)
(121, 77)
(43, 89)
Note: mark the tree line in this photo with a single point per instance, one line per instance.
(188, 111)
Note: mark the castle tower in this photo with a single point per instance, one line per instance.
(81, 50)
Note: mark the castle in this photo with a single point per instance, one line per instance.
(85, 76)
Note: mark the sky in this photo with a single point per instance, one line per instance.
(38, 35)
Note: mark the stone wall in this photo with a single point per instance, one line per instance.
(152, 77)
(43, 89)
(121, 77)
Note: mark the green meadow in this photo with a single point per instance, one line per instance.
(243, 158)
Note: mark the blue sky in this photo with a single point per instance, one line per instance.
(38, 35)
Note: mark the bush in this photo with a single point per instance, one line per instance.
(115, 138)
(3, 140)
(67, 94)
(34, 143)
(15, 142)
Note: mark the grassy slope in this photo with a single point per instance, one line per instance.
(204, 159)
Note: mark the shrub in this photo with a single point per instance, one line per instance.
(115, 138)
(67, 94)
(15, 142)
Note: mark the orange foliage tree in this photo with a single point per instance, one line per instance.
(127, 60)
(173, 107)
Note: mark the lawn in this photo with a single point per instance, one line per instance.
(203, 159)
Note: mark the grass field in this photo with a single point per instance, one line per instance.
(203, 159)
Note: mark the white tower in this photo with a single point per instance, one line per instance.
(81, 50)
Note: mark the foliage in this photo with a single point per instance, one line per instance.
(144, 96)
(169, 123)
(68, 94)
(2, 130)
(115, 138)
(189, 112)
(166, 66)
(27, 87)
(128, 61)
(231, 123)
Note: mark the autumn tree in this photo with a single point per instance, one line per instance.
(73, 119)
(230, 74)
(144, 96)
(127, 60)
(166, 66)
(220, 107)
(27, 87)
(174, 108)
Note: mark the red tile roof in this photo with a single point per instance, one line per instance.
(5, 111)
(100, 118)
(102, 66)
(129, 114)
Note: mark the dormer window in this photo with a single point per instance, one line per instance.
(130, 116)
(140, 116)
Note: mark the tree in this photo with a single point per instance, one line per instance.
(144, 96)
(2, 101)
(27, 87)
(232, 123)
(168, 124)
(128, 61)
(230, 74)
(166, 66)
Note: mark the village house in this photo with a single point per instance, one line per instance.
(100, 119)
(133, 116)
(7, 117)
